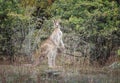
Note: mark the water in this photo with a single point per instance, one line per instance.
(83, 78)
(24, 74)
(93, 78)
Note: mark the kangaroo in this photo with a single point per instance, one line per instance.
(51, 46)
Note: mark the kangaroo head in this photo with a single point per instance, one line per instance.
(56, 23)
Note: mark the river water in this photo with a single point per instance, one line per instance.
(22, 75)
(81, 78)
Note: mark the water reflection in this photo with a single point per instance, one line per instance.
(62, 77)
(82, 78)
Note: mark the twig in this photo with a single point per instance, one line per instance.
(72, 55)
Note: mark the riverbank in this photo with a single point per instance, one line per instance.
(28, 74)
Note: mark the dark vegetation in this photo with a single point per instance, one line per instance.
(90, 27)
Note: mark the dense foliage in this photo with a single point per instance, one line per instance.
(6, 8)
(96, 22)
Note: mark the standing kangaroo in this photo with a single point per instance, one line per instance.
(51, 46)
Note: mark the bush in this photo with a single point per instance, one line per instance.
(97, 22)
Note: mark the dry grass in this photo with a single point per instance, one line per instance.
(25, 73)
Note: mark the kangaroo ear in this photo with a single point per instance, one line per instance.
(53, 21)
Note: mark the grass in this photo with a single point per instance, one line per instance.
(72, 72)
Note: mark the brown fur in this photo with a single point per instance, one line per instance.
(50, 47)
(43, 50)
